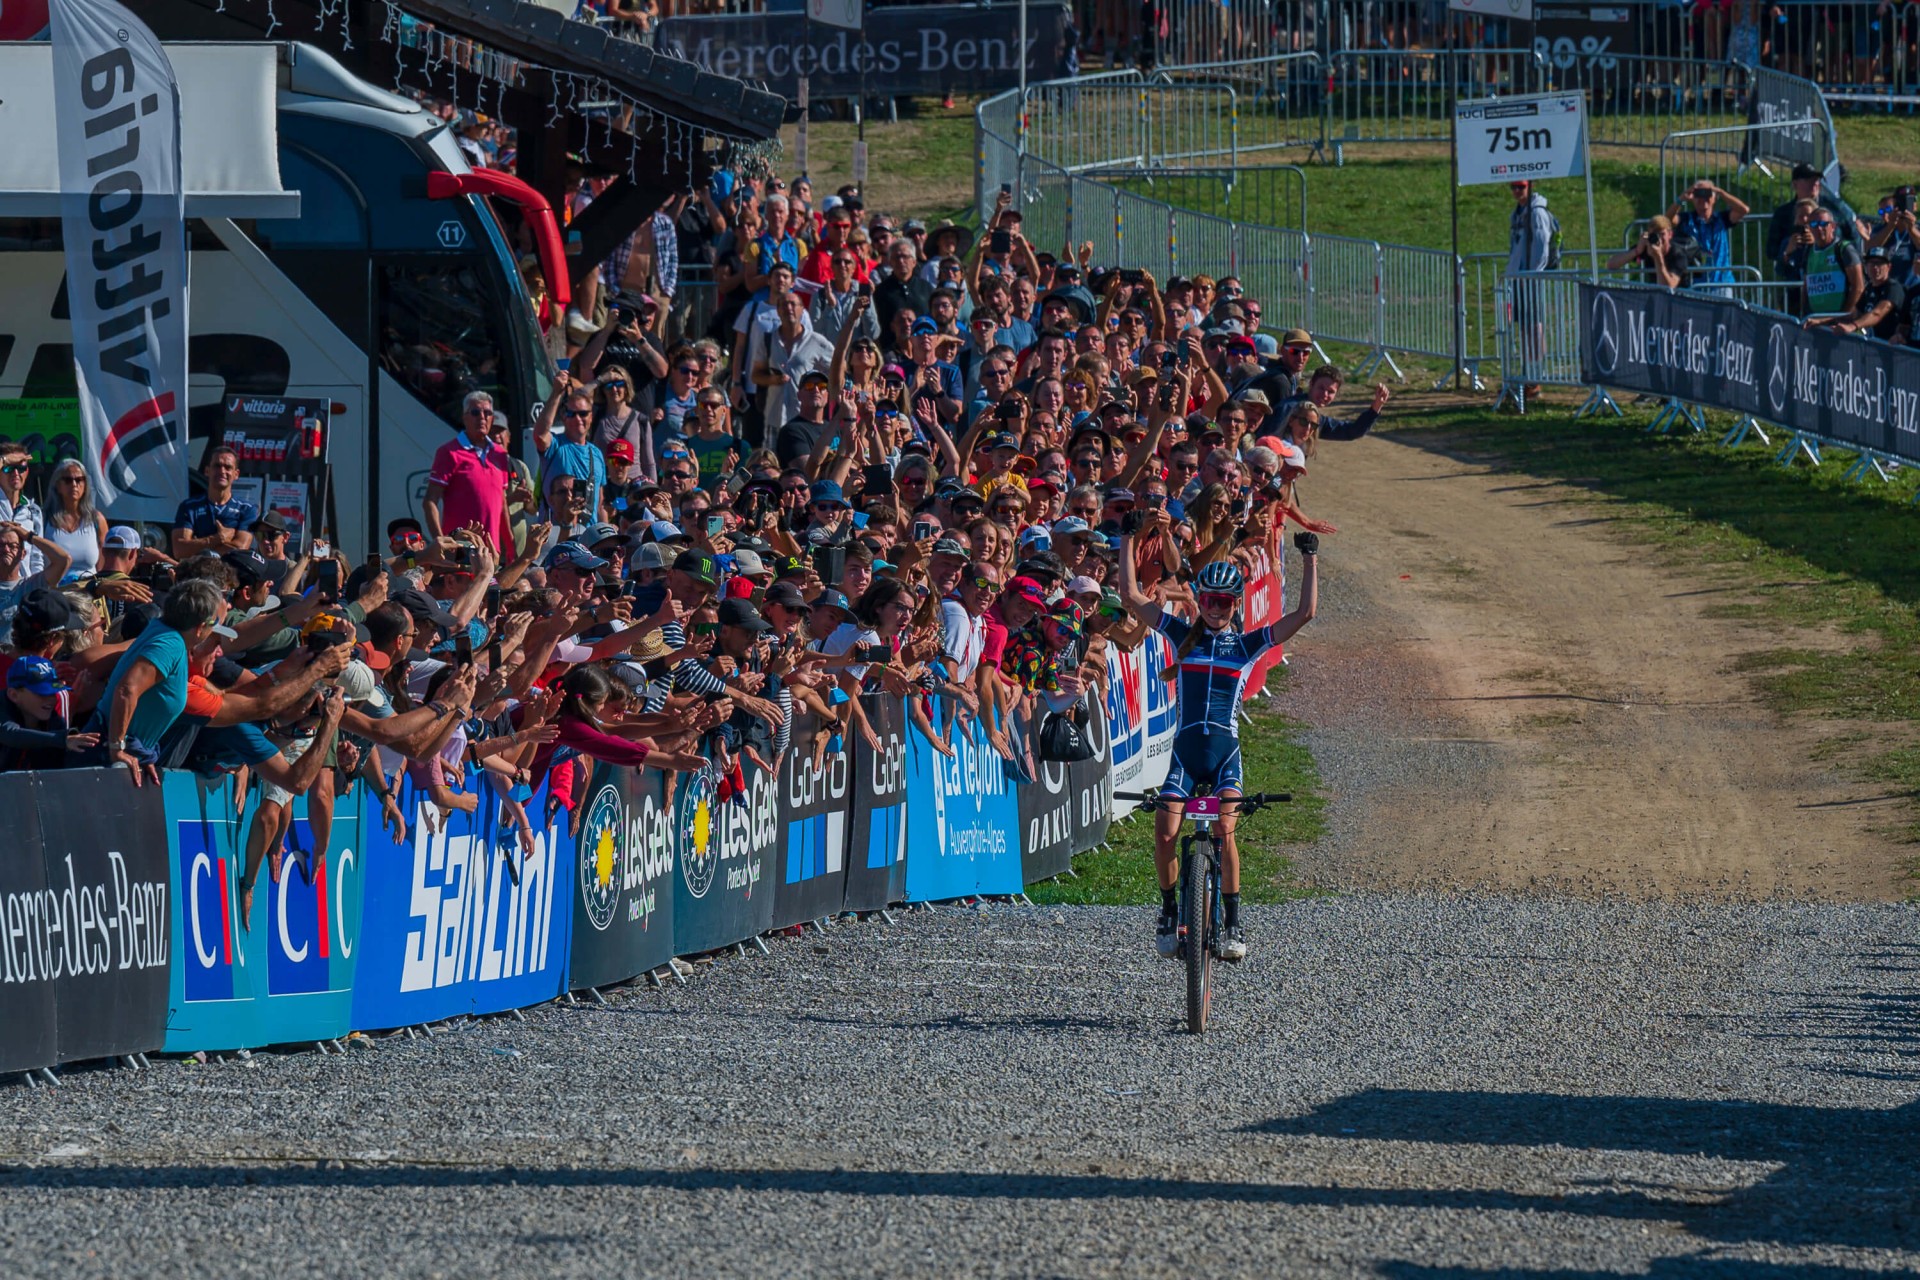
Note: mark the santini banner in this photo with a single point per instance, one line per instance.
(1720, 354)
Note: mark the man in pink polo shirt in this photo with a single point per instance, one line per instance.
(468, 482)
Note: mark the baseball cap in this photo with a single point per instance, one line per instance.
(595, 534)
(35, 674)
(924, 324)
(269, 519)
(650, 556)
(741, 613)
(697, 565)
(1070, 524)
(357, 683)
(46, 611)
(666, 531)
(786, 595)
(574, 556)
(620, 450)
(748, 563)
(944, 546)
(1027, 589)
(1036, 536)
(1296, 338)
(1876, 254)
(832, 598)
(813, 375)
(1083, 585)
(425, 608)
(999, 440)
(1804, 172)
(791, 566)
(124, 537)
(1254, 396)
(249, 566)
(1292, 456)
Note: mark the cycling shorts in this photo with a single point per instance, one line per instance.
(1202, 761)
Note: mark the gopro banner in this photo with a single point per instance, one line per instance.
(905, 50)
(816, 815)
(877, 859)
(123, 214)
(1718, 353)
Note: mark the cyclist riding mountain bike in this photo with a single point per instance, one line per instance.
(1213, 659)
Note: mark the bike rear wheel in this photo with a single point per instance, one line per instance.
(1197, 905)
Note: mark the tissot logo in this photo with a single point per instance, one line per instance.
(1606, 334)
(1779, 377)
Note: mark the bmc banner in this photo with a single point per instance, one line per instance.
(123, 214)
(1719, 353)
(905, 50)
(284, 970)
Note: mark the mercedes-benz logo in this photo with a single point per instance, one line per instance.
(1606, 334)
(1777, 369)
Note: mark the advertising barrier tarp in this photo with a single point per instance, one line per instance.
(284, 974)
(728, 852)
(877, 863)
(1720, 354)
(108, 922)
(623, 878)
(28, 1031)
(124, 934)
(445, 929)
(963, 822)
(816, 812)
(907, 51)
(1266, 602)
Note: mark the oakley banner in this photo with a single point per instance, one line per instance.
(907, 50)
(1717, 353)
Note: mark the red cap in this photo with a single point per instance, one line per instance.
(1029, 590)
(620, 450)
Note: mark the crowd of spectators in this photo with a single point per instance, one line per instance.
(905, 461)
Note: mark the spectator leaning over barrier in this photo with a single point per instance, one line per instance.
(1827, 267)
(148, 689)
(1323, 388)
(1881, 308)
(216, 520)
(1697, 219)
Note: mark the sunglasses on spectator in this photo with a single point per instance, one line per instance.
(1821, 222)
(614, 384)
(985, 584)
(912, 481)
(480, 411)
(680, 475)
(579, 413)
(797, 489)
(691, 370)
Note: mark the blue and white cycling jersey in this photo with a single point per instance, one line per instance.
(1213, 676)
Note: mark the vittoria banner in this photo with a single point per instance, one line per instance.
(1720, 354)
(123, 214)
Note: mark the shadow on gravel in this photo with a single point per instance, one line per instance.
(1846, 1175)
(1688, 1266)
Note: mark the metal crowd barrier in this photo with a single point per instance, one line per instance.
(1865, 47)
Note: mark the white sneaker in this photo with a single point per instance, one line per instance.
(1166, 936)
(1233, 944)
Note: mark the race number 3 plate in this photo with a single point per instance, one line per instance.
(1203, 807)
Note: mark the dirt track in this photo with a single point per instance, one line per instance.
(1506, 692)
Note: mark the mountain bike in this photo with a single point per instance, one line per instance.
(1199, 886)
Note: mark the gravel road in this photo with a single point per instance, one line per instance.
(1395, 1085)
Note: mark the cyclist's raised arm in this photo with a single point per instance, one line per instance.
(1302, 614)
(1138, 603)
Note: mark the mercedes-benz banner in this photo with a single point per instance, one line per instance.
(1722, 355)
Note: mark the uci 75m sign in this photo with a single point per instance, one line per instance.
(1507, 139)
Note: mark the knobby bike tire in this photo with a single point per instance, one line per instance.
(1198, 899)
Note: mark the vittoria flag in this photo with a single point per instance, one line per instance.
(123, 214)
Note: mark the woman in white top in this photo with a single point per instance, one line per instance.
(72, 523)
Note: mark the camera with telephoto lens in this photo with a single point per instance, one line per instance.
(1133, 522)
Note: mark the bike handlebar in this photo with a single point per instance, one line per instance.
(1252, 800)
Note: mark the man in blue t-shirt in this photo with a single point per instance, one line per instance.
(216, 521)
(573, 454)
(1711, 228)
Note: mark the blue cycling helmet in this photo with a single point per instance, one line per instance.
(1221, 575)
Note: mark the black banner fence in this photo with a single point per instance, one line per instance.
(877, 860)
(912, 50)
(85, 919)
(1722, 354)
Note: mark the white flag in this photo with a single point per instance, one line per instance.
(123, 214)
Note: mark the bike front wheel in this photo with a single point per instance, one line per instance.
(1198, 906)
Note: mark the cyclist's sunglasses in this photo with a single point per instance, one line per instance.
(1218, 600)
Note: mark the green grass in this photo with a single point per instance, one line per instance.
(1800, 547)
(1122, 873)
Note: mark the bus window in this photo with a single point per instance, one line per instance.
(331, 214)
(439, 335)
